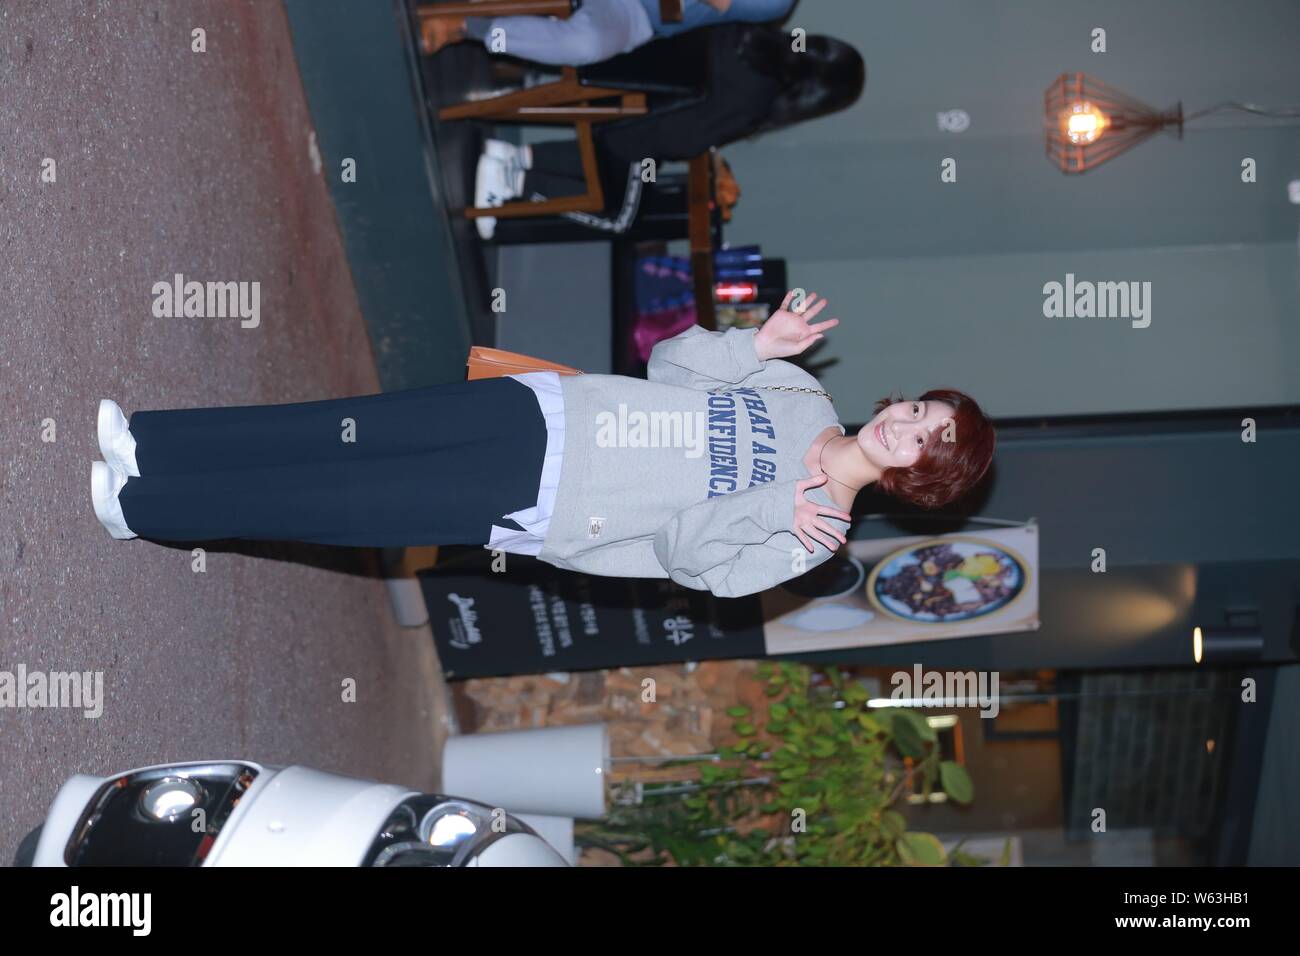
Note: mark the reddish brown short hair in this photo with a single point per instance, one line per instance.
(946, 470)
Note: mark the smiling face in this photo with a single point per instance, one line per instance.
(900, 432)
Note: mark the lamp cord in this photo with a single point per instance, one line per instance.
(1282, 112)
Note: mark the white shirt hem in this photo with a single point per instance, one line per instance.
(536, 521)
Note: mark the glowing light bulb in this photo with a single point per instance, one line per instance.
(1083, 123)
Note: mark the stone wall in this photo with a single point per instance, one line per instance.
(686, 716)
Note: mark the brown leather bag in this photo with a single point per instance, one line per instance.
(493, 363)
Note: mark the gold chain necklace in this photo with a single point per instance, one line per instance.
(823, 467)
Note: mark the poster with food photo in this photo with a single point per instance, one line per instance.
(900, 590)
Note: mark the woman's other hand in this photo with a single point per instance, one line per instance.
(808, 525)
(788, 332)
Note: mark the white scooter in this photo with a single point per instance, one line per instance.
(240, 813)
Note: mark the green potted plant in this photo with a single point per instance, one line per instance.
(812, 781)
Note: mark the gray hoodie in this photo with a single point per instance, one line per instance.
(690, 474)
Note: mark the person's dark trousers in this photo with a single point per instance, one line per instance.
(437, 465)
(557, 171)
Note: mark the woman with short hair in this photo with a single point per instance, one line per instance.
(726, 470)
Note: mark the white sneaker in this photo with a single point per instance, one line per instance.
(105, 483)
(493, 186)
(517, 158)
(116, 443)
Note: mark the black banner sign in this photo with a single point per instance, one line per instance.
(533, 618)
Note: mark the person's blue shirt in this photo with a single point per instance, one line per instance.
(697, 13)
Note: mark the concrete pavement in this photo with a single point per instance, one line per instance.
(172, 161)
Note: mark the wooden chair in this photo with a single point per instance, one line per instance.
(568, 100)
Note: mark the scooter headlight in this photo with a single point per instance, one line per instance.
(451, 825)
(430, 830)
(170, 798)
(159, 816)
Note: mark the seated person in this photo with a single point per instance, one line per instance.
(757, 83)
(596, 31)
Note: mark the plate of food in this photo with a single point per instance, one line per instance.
(945, 580)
